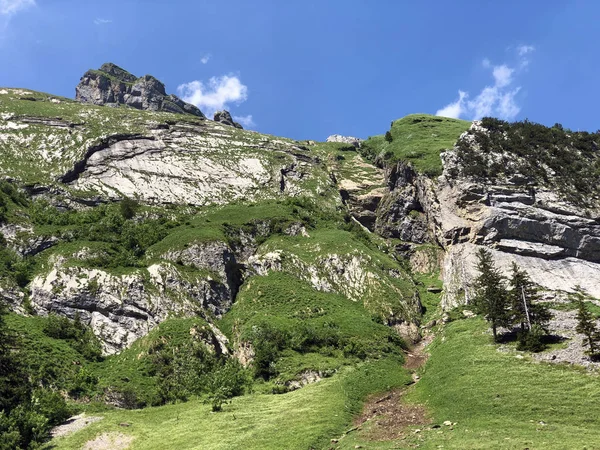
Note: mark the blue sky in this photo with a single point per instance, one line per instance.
(307, 69)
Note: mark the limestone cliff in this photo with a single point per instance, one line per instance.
(543, 223)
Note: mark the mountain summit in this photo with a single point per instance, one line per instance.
(112, 85)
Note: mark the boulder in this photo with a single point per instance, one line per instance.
(225, 118)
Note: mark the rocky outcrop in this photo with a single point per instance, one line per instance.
(24, 241)
(112, 86)
(556, 241)
(354, 275)
(402, 212)
(225, 118)
(121, 308)
(195, 164)
(345, 140)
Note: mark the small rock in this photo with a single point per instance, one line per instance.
(335, 441)
(434, 289)
(417, 430)
(358, 446)
(124, 424)
(435, 426)
(431, 324)
(447, 423)
(468, 314)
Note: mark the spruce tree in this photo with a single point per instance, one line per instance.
(586, 325)
(491, 298)
(525, 309)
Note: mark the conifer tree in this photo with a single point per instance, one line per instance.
(491, 299)
(525, 309)
(586, 325)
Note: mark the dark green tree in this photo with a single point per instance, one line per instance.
(13, 389)
(586, 325)
(388, 136)
(525, 308)
(491, 298)
(129, 208)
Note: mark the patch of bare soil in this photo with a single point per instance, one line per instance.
(391, 417)
(389, 414)
(109, 441)
(74, 424)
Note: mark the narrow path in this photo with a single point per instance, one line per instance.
(388, 415)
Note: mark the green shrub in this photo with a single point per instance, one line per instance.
(128, 208)
(268, 341)
(80, 337)
(532, 340)
(51, 405)
(227, 381)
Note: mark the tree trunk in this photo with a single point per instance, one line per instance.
(494, 331)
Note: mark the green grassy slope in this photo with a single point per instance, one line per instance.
(419, 139)
(498, 400)
(382, 295)
(294, 328)
(303, 419)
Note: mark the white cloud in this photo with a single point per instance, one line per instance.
(503, 75)
(215, 95)
(245, 121)
(522, 50)
(99, 21)
(205, 58)
(455, 109)
(497, 100)
(10, 7)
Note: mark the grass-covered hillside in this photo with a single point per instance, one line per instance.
(153, 259)
(418, 139)
(492, 399)
(187, 284)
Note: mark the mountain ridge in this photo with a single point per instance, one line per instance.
(191, 250)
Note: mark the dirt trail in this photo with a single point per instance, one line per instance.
(389, 414)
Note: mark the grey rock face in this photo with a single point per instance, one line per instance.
(192, 164)
(225, 118)
(556, 242)
(401, 213)
(111, 86)
(123, 308)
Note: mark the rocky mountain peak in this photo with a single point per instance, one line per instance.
(112, 85)
(225, 118)
(117, 72)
